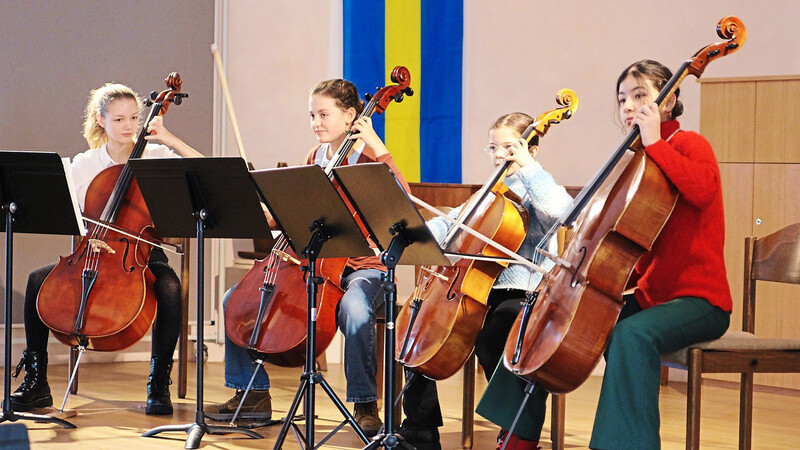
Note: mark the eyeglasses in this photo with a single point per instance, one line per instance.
(492, 149)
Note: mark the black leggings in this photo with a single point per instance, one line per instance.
(167, 325)
(421, 400)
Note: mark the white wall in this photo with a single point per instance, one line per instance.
(518, 53)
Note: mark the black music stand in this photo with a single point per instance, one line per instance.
(35, 198)
(396, 226)
(311, 213)
(201, 197)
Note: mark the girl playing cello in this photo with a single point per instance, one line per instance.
(545, 201)
(334, 106)
(110, 128)
(681, 294)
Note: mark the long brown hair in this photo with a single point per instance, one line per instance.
(518, 122)
(343, 92)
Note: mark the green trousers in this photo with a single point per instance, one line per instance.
(502, 399)
(627, 413)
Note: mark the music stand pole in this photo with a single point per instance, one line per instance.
(332, 224)
(8, 414)
(310, 376)
(395, 224)
(390, 258)
(216, 189)
(35, 182)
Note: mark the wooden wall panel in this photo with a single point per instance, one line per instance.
(777, 204)
(727, 119)
(777, 121)
(737, 196)
(753, 126)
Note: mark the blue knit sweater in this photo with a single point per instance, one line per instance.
(545, 200)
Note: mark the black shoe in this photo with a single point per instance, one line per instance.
(158, 401)
(423, 438)
(34, 392)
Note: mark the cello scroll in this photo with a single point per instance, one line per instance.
(172, 94)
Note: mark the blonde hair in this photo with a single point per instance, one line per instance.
(99, 99)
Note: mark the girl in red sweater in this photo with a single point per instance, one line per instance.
(681, 293)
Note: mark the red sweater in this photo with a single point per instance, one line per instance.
(368, 262)
(687, 258)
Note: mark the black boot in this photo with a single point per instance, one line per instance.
(158, 401)
(34, 392)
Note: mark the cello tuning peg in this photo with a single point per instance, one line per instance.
(147, 102)
(398, 97)
(408, 91)
(178, 99)
(367, 97)
(153, 95)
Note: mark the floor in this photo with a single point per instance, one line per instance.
(110, 413)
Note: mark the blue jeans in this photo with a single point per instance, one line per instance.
(356, 317)
(239, 365)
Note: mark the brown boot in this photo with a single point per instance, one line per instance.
(257, 406)
(366, 415)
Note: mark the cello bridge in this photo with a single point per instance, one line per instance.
(96, 245)
(434, 273)
(285, 257)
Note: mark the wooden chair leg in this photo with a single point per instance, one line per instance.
(73, 358)
(557, 420)
(664, 375)
(183, 341)
(693, 390)
(746, 412)
(468, 403)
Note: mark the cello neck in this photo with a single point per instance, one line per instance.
(347, 144)
(476, 200)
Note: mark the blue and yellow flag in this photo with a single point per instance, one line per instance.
(426, 36)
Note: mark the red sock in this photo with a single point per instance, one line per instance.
(516, 443)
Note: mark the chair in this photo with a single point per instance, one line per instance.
(774, 258)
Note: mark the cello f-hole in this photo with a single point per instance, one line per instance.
(451, 292)
(125, 266)
(574, 281)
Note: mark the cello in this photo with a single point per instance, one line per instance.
(562, 331)
(267, 313)
(101, 297)
(442, 319)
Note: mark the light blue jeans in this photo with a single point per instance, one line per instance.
(355, 317)
(239, 365)
(363, 294)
